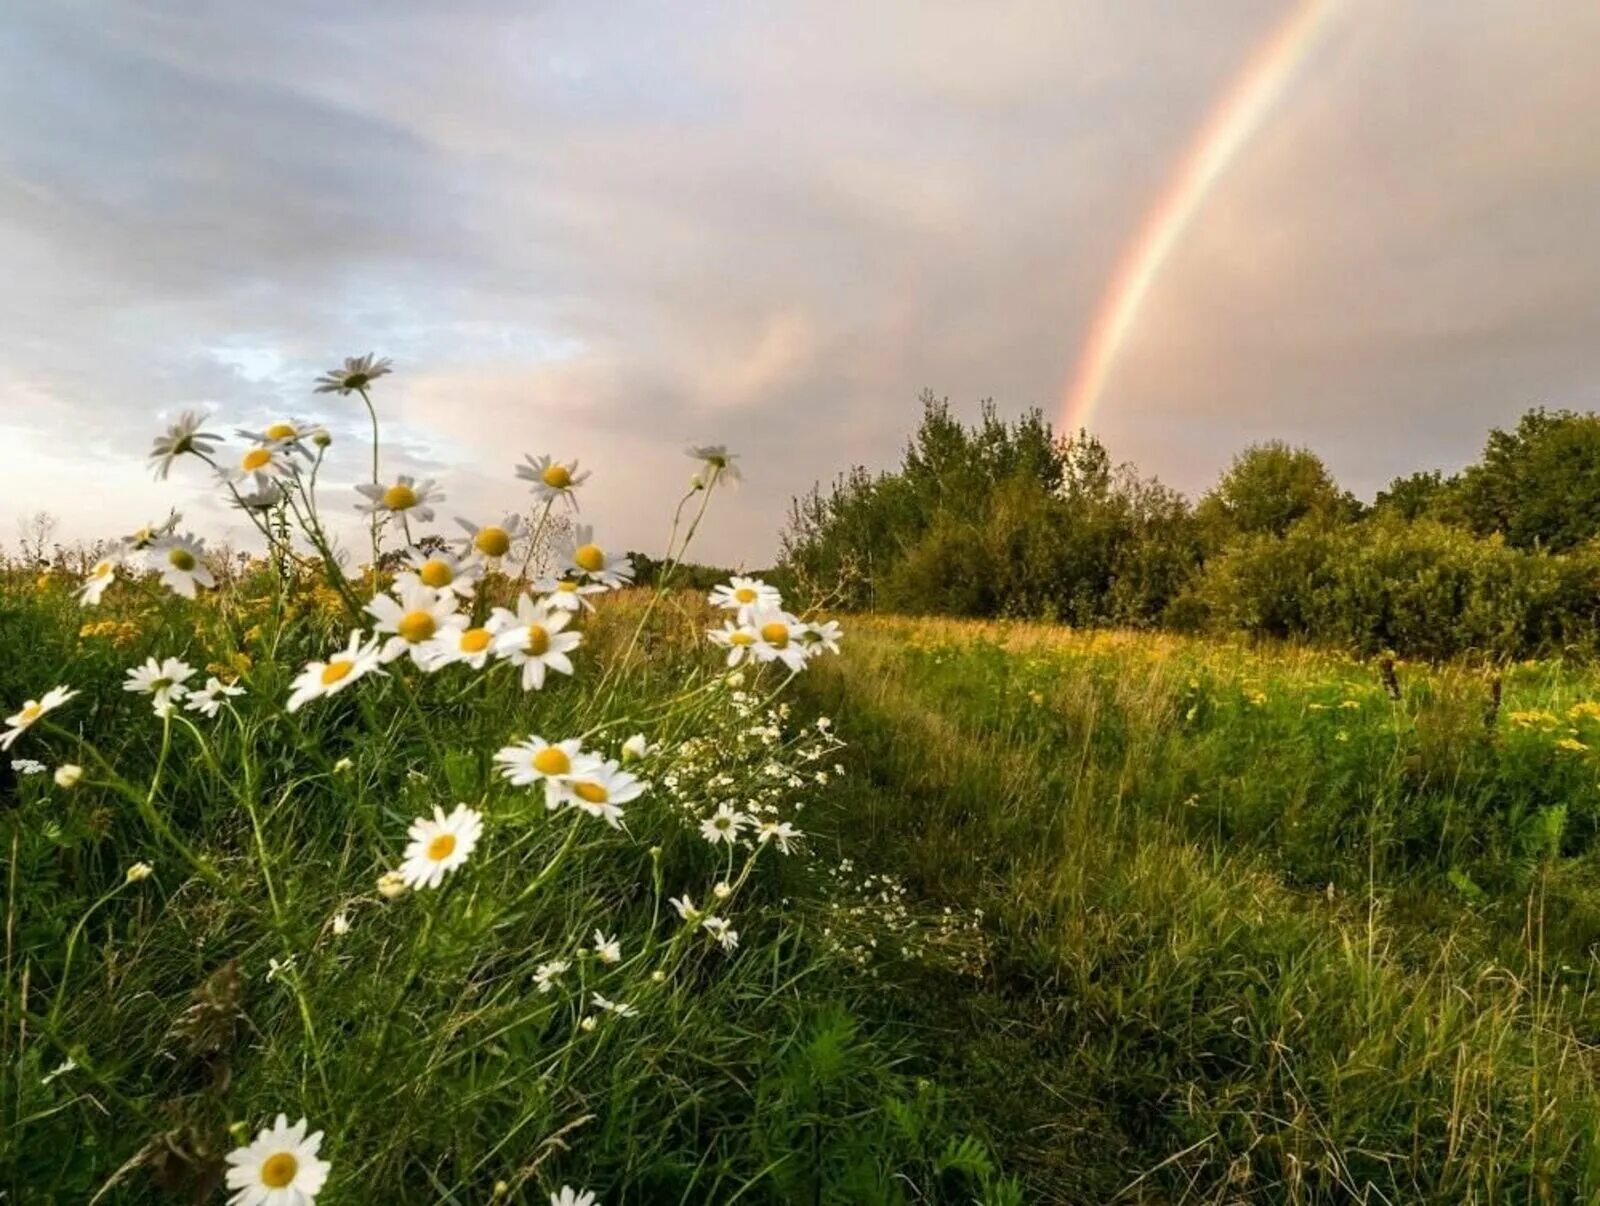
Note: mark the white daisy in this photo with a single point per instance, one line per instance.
(553, 479)
(583, 556)
(745, 595)
(163, 681)
(457, 643)
(607, 949)
(722, 931)
(440, 845)
(406, 496)
(260, 463)
(738, 639)
(413, 620)
(208, 699)
(823, 637)
(181, 562)
(533, 639)
(335, 674)
(619, 1008)
(100, 577)
(280, 1168)
(718, 462)
(357, 374)
(779, 638)
(635, 748)
(286, 433)
(442, 572)
(31, 711)
(568, 593)
(779, 833)
(547, 976)
(601, 792)
(568, 1196)
(685, 906)
(724, 825)
(493, 541)
(537, 760)
(181, 437)
(141, 541)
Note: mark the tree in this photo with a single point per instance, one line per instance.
(1539, 485)
(1268, 488)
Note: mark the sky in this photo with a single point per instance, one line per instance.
(608, 231)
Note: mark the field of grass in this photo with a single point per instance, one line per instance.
(1077, 917)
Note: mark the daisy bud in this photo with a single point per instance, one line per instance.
(588, 1023)
(722, 891)
(635, 747)
(696, 482)
(67, 776)
(658, 976)
(240, 1131)
(343, 766)
(391, 885)
(139, 871)
(322, 437)
(341, 924)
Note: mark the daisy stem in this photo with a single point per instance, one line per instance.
(373, 413)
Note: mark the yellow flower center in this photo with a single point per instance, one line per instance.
(442, 846)
(436, 573)
(566, 586)
(255, 459)
(475, 640)
(103, 569)
(745, 595)
(558, 477)
(399, 498)
(538, 640)
(416, 626)
(590, 558)
(552, 760)
(741, 638)
(334, 671)
(492, 541)
(278, 1170)
(775, 634)
(31, 711)
(180, 559)
(281, 431)
(590, 792)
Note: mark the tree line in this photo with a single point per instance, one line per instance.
(1004, 518)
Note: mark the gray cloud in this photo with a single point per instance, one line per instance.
(606, 231)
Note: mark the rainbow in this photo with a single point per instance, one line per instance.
(1231, 122)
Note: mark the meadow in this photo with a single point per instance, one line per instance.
(472, 872)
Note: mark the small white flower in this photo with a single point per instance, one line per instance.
(280, 1168)
(181, 562)
(136, 545)
(163, 681)
(440, 845)
(208, 699)
(343, 766)
(685, 906)
(727, 937)
(260, 464)
(600, 791)
(743, 596)
(779, 638)
(724, 825)
(722, 889)
(553, 764)
(617, 1007)
(31, 711)
(413, 620)
(553, 479)
(391, 885)
(181, 437)
(442, 571)
(584, 558)
(568, 1196)
(458, 644)
(492, 541)
(532, 638)
(67, 775)
(341, 924)
(635, 748)
(738, 639)
(358, 373)
(719, 466)
(138, 872)
(100, 577)
(823, 637)
(335, 674)
(547, 976)
(27, 766)
(781, 833)
(568, 593)
(607, 949)
(405, 496)
(589, 1023)
(285, 433)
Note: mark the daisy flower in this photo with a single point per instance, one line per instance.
(537, 760)
(779, 638)
(745, 595)
(100, 577)
(779, 833)
(358, 373)
(289, 434)
(568, 1196)
(440, 570)
(261, 462)
(163, 681)
(722, 931)
(181, 437)
(607, 949)
(718, 462)
(568, 593)
(440, 845)
(31, 711)
(583, 556)
(142, 540)
(619, 1008)
(635, 748)
(420, 614)
(266, 495)
(738, 639)
(553, 479)
(407, 496)
(685, 906)
(724, 825)
(823, 637)
(457, 643)
(335, 674)
(547, 976)
(492, 541)
(208, 699)
(533, 639)
(179, 561)
(139, 872)
(280, 1168)
(601, 791)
